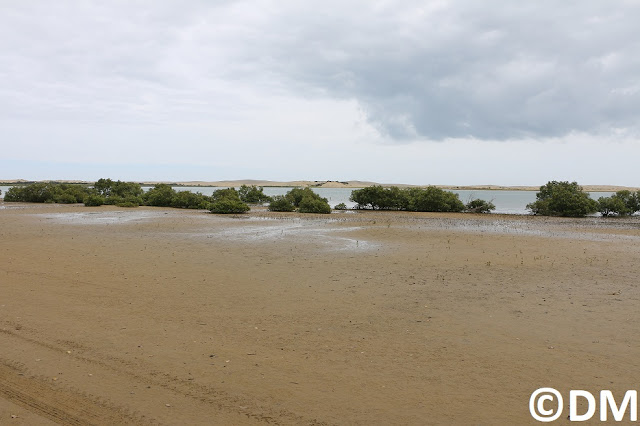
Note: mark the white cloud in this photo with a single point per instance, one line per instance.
(363, 88)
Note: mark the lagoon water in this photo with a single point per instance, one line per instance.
(506, 202)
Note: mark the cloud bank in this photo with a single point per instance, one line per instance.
(250, 85)
(419, 70)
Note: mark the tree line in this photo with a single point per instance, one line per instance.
(131, 194)
(554, 199)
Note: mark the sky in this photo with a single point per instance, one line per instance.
(420, 92)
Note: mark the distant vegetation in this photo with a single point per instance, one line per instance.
(163, 195)
(304, 200)
(430, 199)
(127, 194)
(47, 193)
(554, 199)
(569, 199)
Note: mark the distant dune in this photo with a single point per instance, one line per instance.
(336, 184)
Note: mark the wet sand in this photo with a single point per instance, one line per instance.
(165, 316)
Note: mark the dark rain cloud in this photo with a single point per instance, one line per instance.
(487, 70)
(434, 70)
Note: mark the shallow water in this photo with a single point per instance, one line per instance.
(524, 228)
(102, 217)
(295, 230)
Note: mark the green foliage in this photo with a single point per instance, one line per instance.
(341, 206)
(229, 205)
(65, 198)
(611, 206)
(302, 199)
(103, 186)
(479, 206)
(119, 193)
(253, 194)
(161, 195)
(314, 205)
(622, 203)
(109, 192)
(378, 198)
(297, 194)
(94, 200)
(190, 200)
(14, 194)
(73, 193)
(225, 193)
(308, 201)
(563, 199)
(430, 199)
(226, 201)
(127, 189)
(280, 203)
(47, 192)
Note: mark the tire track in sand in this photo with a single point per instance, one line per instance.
(61, 406)
(27, 394)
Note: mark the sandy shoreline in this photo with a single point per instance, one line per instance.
(339, 184)
(166, 316)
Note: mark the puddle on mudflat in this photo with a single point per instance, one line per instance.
(294, 230)
(239, 228)
(109, 217)
(524, 228)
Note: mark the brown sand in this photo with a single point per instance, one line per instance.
(164, 316)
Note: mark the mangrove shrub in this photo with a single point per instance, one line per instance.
(253, 194)
(479, 206)
(302, 199)
(622, 203)
(563, 199)
(227, 201)
(430, 199)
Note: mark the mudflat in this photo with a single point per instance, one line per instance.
(165, 316)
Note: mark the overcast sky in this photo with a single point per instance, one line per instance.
(424, 92)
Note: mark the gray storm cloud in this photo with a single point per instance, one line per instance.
(488, 70)
(491, 70)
